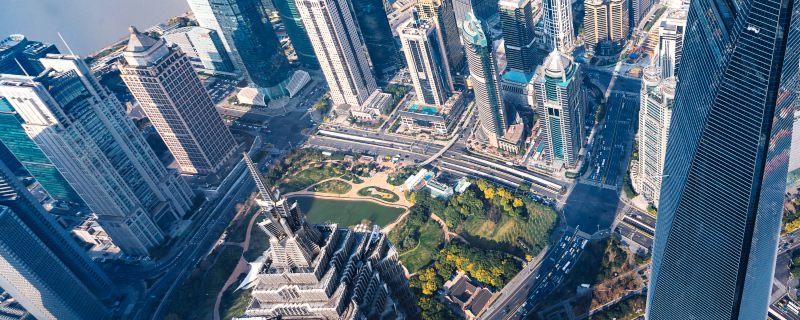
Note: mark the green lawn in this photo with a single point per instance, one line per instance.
(310, 176)
(430, 237)
(194, 299)
(379, 193)
(346, 213)
(534, 231)
(333, 186)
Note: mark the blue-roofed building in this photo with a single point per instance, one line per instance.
(432, 119)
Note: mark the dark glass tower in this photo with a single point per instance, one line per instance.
(374, 26)
(249, 38)
(42, 266)
(725, 169)
(287, 9)
(517, 20)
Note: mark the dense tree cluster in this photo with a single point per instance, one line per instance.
(615, 259)
(492, 268)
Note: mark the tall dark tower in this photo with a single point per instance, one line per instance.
(727, 156)
(374, 25)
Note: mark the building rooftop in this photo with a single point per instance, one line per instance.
(517, 76)
(138, 42)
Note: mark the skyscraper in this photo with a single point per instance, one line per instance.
(639, 9)
(249, 38)
(84, 131)
(41, 266)
(618, 21)
(558, 31)
(655, 113)
(595, 24)
(377, 35)
(203, 47)
(321, 271)
(339, 48)
(516, 18)
(484, 76)
(426, 61)
(290, 17)
(172, 96)
(27, 153)
(725, 170)
(560, 104)
(441, 13)
(18, 55)
(670, 42)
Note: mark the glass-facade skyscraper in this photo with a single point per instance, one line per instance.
(287, 10)
(26, 152)
(84, 131)
(727, 156)
(249, 38)
(374, 27)
(484, 76)
(41, 266)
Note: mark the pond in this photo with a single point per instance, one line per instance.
(346, 213)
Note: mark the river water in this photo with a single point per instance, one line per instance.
(87, 25)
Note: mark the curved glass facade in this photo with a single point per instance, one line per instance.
(726, 162)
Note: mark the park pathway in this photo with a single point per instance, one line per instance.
(241, 267)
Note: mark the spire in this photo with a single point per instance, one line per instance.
(262, 187)
(138, 42)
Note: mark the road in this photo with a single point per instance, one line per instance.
(221, 211)
(538, 280)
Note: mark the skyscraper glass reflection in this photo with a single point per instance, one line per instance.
(725, 168)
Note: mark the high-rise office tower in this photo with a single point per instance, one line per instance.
(655, 113)
(481, 9)
(162, 80)
(41, 266)
(32, 159)
(595, 24)
(18, 55)
(558, 31)
(441, 13)
(670, 42)
(426, 61)
(561, 105)
(290, 17)
(516, 18)
(249, 38)
(722, 193)
(377, 35)
(84, 131)
(203, 47)
(339, 48)
(638, 10)
(618, 21)
(484, 76)
(330, 273)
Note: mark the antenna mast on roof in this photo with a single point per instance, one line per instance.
(65, 44)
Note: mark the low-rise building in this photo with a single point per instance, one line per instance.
(418, 180)
(469, 298)
(431, 119)
(376, 105)
(513, 138)
(439, 190)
